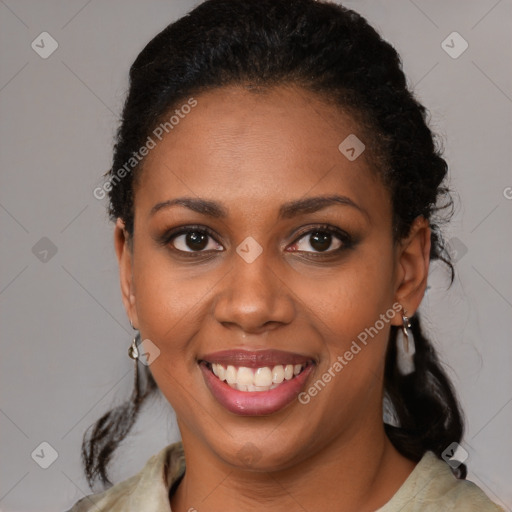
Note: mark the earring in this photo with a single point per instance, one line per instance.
(133, 351)
(405, 347)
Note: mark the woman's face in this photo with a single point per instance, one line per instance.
(270, 274)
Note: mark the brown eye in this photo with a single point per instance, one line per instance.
(193, 240)
(322, 240)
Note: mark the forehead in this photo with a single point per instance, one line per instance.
(256, 149)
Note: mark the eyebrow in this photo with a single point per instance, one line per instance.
(286, 211)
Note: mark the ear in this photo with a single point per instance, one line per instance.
(413, 258)
(124, 247)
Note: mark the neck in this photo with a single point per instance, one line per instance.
(361, 473)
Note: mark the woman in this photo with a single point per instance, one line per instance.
(277, 193)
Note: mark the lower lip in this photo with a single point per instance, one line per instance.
(255, 403)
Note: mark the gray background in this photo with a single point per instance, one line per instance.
(63, 328)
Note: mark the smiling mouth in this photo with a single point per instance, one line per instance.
(264, 378)
(255, 382)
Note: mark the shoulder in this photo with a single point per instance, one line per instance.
(147, 490)
(432, 487)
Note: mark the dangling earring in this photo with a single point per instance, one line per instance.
(405, 347)
(133, 351)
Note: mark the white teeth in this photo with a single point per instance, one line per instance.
(278, 374)
(256, 379)
(263, 377)
(230, 375)
(288, 371)
(244, 376)
(258, 388)
(219, 370)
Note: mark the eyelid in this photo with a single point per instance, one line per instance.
(323, 227)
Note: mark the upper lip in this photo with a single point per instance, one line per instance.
(255, 358)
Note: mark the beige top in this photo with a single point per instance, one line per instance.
(430, 487)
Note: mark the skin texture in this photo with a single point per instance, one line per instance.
(252, 152)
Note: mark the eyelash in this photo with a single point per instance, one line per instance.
(344, 238)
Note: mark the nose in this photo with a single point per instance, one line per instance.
(253, 298)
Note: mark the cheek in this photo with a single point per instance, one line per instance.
(352, 296)
(170, 306)
(169, 302)
(353, 311)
